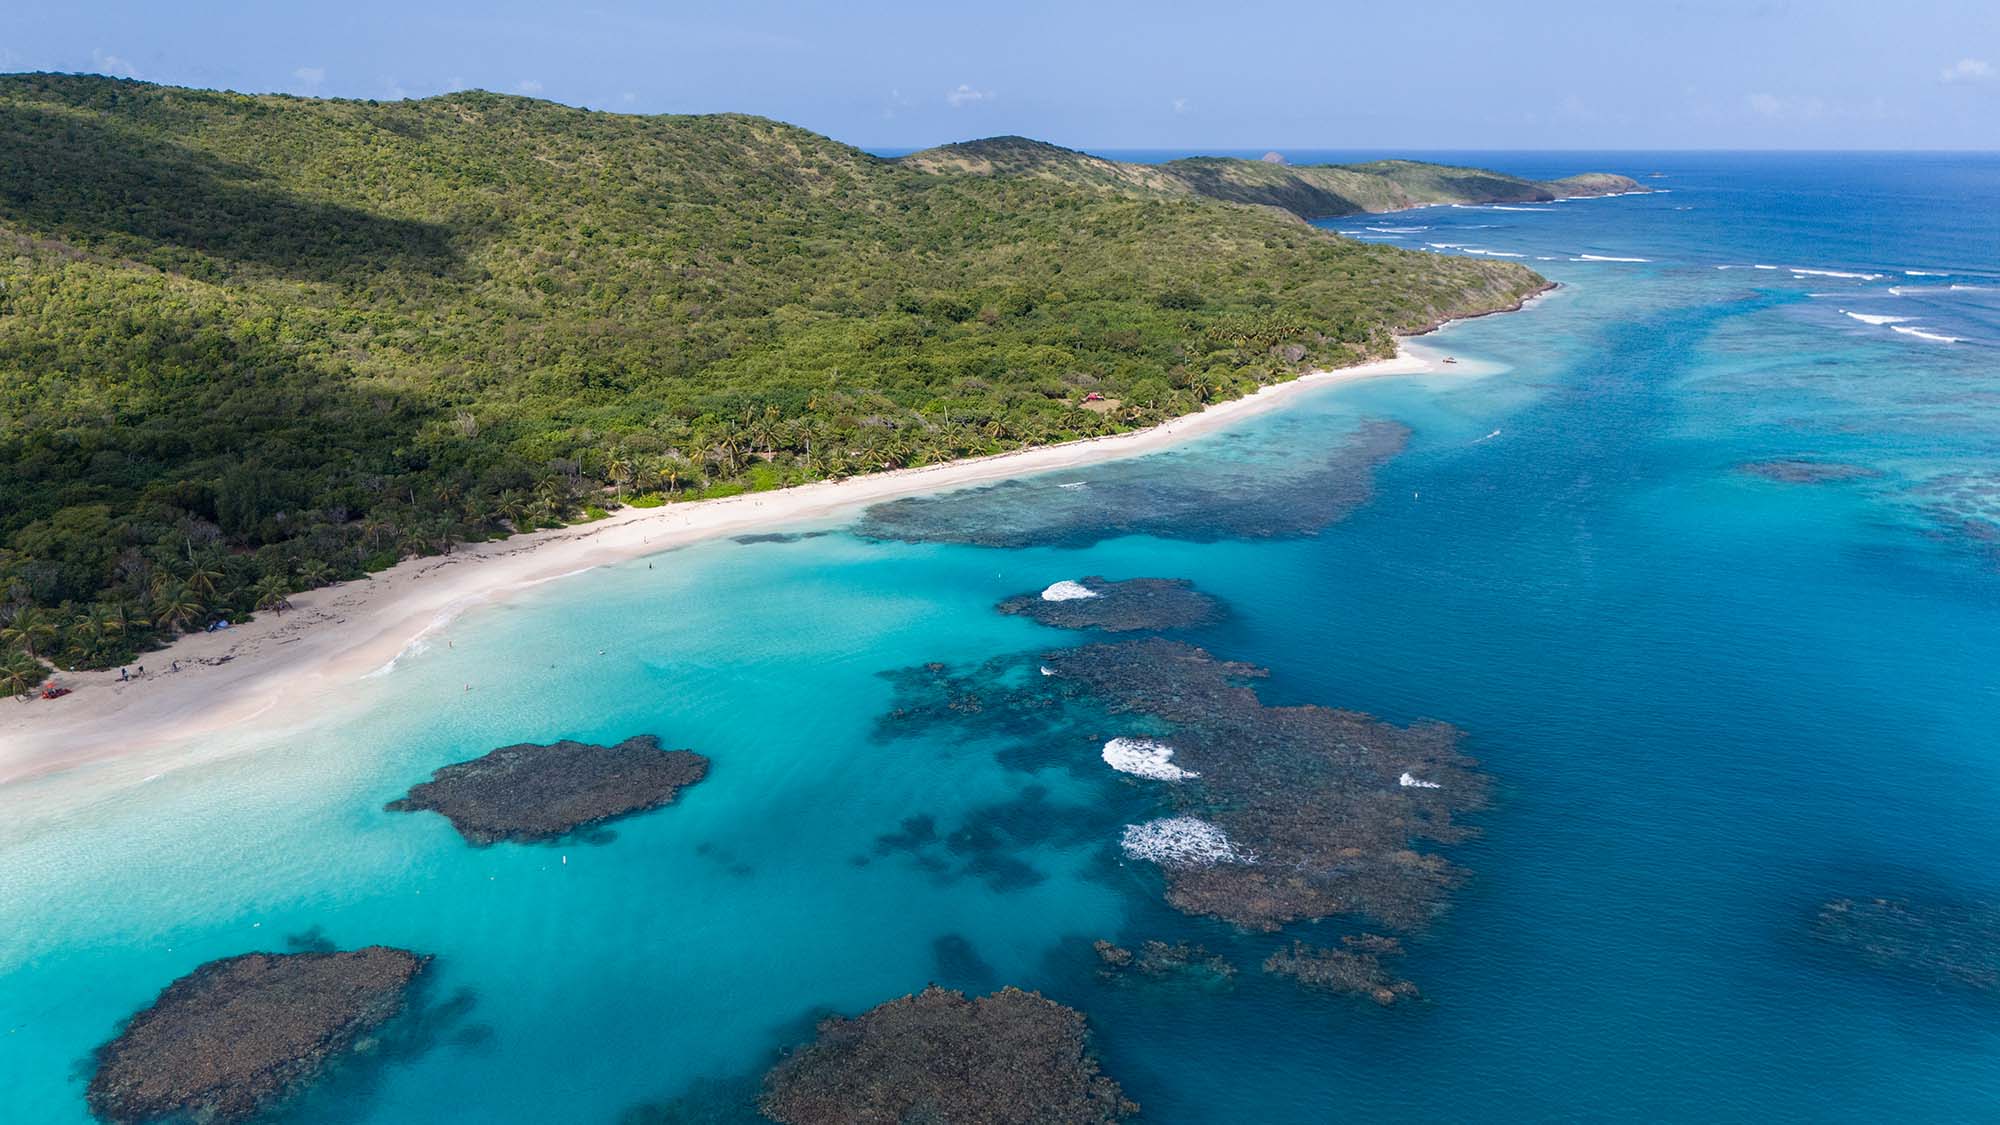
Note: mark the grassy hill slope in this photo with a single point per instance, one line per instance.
(250, 344)
(1310, 191)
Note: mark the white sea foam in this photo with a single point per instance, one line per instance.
(1067, 591)
(1876, 319)
(1444, 245)
(1545, 257)
(1923, 335)
(1072, 484)
(1971, 288)
(1494, 253)
(1801, 271)
(1763, 267)
(1923, 273)
(1498, 207)
(1605, 258)
(1145, 758)
(1048, 671)
(1181, 841)
(1398, 230)
(1409, 782)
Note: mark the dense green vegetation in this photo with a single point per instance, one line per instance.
(254, 344)
(1310, 191)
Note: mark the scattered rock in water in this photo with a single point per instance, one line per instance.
(1803, 471)
(1354, 970)
(1151, 604)
(1161, 961)
(1261, 491)
(1012, 1058)
(527, 793)
(237, 1036)
(1939, 943)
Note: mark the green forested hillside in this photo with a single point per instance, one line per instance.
(1310, 191)
(251, 344)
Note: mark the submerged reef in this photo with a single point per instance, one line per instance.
(527, 792)
(1965, 504)
(1012, 1058)
(1355, 969)
(1942, 944)
(1803, 471)
(1278, 814)
(1150, 604)
(1258, 492)
(1160, 960)
(236, 1036)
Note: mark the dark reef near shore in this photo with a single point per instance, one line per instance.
(1011, 1058)
(529, 793)
(1133, 605)
(236, 1036)
(1263, 493)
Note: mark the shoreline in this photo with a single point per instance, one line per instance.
(290, 667)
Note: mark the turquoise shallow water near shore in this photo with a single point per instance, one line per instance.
(1710, 700)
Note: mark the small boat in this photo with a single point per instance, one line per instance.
(54, 692)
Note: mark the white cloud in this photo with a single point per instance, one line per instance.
(628, 97)
(1180, 105)
(106, 63)
(1968, 70)
(529, 86)
(966, 95)
(310, 75)
(455, 85)
(1767, 105)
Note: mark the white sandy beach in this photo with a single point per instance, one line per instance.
(284, 669)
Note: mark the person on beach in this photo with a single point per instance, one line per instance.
(124, 675)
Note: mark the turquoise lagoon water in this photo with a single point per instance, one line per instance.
(1709, 700)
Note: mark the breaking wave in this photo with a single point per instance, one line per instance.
(1144, 758)
(1923, 335)
(1605, 258)
(1872, 318)
(1181, 841)
(1067, 591)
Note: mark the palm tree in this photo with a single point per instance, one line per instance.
(512, 507)
(315, 573)
(31, 631)
(271, 594)
(621, 472)
(203, 577)
(177, 605)
(20, 674)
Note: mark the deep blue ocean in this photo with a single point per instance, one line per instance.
(1710, 700)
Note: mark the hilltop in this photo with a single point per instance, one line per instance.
(1310, 191)
(253, 344)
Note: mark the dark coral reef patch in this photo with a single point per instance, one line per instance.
(1281, 813)
(1149, 604)
(1159, 960)
(1936, 943)
(1012, 1058)
(237, 1036)
(1259, 493)
(528, 793)
(1799, 470)
(1353, 969)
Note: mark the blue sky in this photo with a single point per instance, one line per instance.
(1243, 74)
